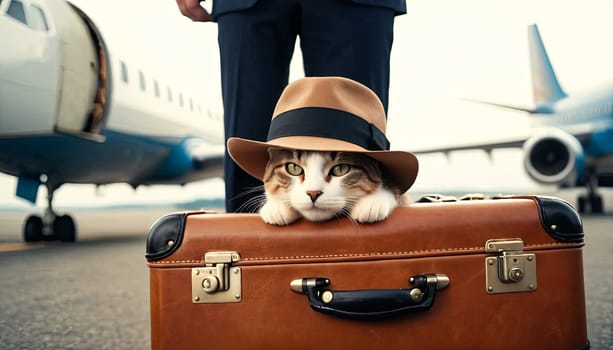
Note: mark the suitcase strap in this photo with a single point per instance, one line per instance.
(373, 304)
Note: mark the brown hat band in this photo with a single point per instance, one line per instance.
(326, 123)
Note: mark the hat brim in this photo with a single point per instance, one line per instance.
(252, 156)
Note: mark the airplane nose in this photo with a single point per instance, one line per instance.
(314, 195)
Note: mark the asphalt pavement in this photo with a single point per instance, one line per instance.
(94, 294)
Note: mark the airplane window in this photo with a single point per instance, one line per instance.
(16, 11)
(181, 100)
(124, 72)
(169, 95)
(156, 88)
(141, 76)
(191, 105)
(39, 22)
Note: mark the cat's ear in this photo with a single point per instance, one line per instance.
(280, 154)
(271, 152)
(274, 152)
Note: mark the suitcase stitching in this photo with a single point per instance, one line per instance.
(359, 255)
(410, 252)
(176, 262)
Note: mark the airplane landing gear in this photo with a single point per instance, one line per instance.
(51, 226)
(33, 229)
(64, 228)
(592, 203)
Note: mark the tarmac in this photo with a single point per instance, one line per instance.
(94, 294)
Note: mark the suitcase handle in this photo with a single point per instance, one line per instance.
(373, 304)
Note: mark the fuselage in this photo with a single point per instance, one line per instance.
(583, 112)
(75, 110)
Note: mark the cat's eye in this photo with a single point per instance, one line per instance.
(340, 169)
(293, 169)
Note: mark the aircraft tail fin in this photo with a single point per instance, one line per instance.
(545, 85)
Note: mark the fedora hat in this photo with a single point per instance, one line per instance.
(327, 114)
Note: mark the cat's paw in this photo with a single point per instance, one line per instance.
(275, 213)
(374, 207)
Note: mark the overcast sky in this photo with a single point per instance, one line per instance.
(444, 50)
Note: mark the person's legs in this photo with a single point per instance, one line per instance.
(256, 47)
(341, 38)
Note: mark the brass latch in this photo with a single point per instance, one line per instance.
(510, 269)
(218, 281)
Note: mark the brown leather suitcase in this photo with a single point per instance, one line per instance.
(481, 274)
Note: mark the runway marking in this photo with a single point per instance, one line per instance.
(14, 247)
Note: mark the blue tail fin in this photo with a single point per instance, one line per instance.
(545, 86)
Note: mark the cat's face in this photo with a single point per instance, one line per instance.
(319, 185)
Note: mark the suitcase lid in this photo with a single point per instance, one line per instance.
(416, 230)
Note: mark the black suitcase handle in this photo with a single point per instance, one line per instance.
(373, 304)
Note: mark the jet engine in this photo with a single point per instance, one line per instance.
(554, 157)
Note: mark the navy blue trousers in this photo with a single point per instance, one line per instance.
(337, 38)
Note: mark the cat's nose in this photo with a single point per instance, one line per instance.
(314, 195)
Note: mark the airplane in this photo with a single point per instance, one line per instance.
(571, 142)
(72, 110)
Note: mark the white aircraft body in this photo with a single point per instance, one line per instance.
(572, 139)
(72, 110)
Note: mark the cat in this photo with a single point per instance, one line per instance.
(319, 186)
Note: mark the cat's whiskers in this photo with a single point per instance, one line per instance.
(346, 213)
(350, 202)
(253, 204)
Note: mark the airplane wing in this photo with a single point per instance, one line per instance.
(190, 160)
(502, 105)
(582, 137)
(487, 147)
(206, 156)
